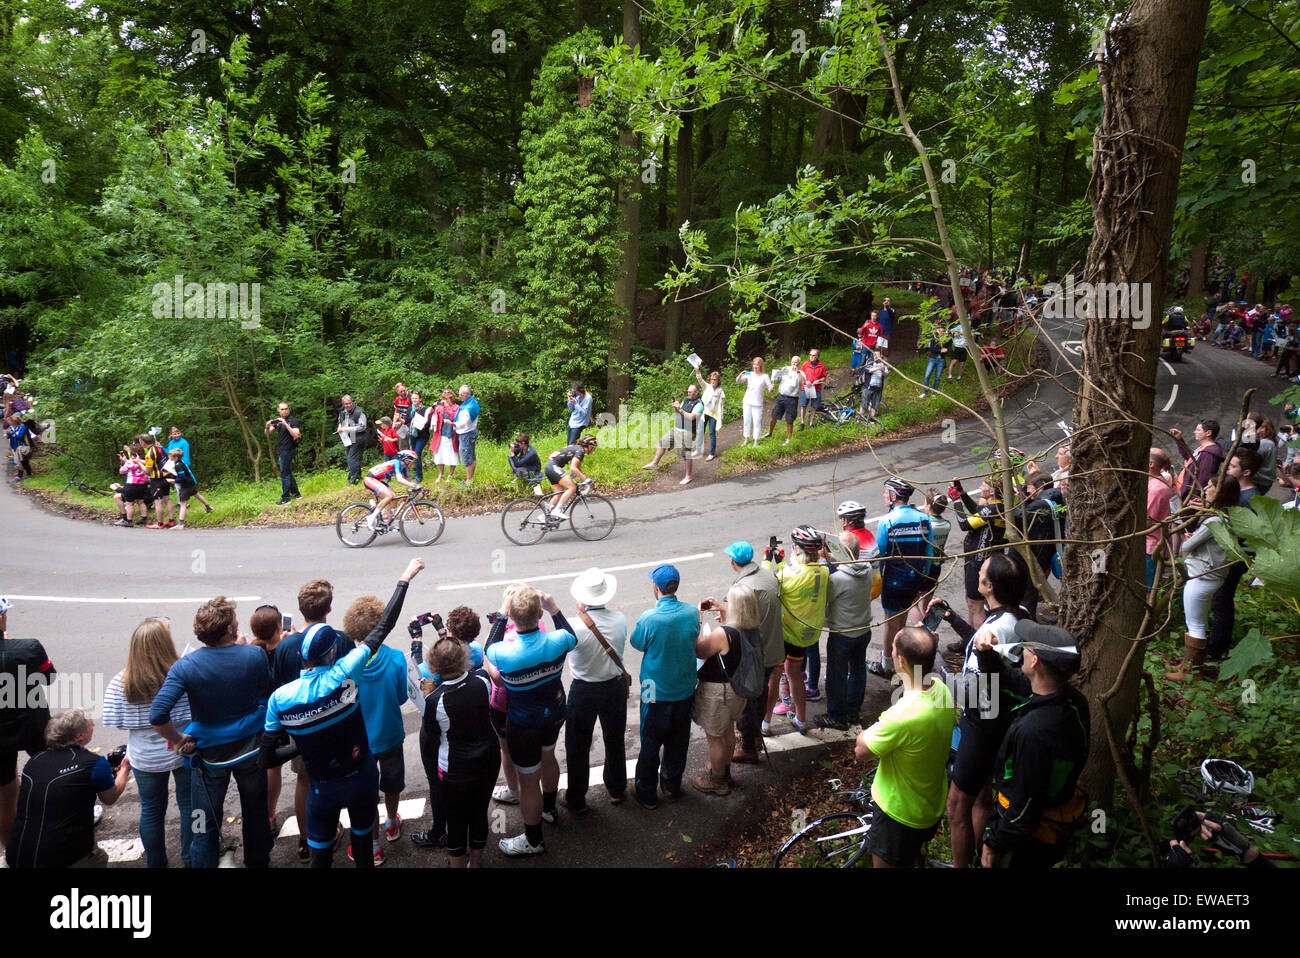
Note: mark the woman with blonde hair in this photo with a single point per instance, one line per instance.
(755, 381)
(126, 706)
(717, 705)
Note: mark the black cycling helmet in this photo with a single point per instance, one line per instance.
(806, 537)
(900, 487)
(589, 441)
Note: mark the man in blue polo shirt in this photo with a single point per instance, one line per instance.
(666, 636)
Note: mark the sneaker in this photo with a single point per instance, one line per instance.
(282, 502)
(372, 522)
(169, 524)
(560, 516)
(140, 522)
(99, 814)
(426, 839)
(294, 495)
(504, 795)
(648, 805)
(825, 721)
(800, 727)
(520, 845)
(613, 800)
(153, 525)
(766, 729)
(786, 443)
(709, 458)
(582, 809)
(880, 669)
(304, 853)
(378, 856)
(551, 818)
(783, 708)
(766, 435)
(125, 522)
(209, 508)
(684, 481)
(923, 395)
(648, 466)
(393, 830)
(668, 793)
(179, 525)
(811, 694)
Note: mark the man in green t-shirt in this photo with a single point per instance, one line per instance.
(911, 739)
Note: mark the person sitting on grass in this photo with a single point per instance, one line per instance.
(992, 355)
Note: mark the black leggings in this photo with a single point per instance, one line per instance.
(466, 801)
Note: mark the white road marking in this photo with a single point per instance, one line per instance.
(575, 574)
(1165, 363)
(1172, 396)
(1073, 345)
(93, 599)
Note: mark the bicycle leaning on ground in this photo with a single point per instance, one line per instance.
(527, 519)
(837, 840)
(76, 483)
(419, 520)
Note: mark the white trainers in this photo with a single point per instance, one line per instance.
(685, 481)
(561, 516)
(99, 813)
(372, 521)
(520, 845)
(504, 795)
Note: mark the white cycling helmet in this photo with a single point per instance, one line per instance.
(1222, 775)
(848, 508)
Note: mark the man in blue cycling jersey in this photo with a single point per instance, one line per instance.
(377, 482)
(903, 538)
(322, 714)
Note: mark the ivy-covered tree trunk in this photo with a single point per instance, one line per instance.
(1148, 78)
(629, 201)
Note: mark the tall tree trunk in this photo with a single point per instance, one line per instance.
(629, 201)
(685, 185)
(1148, 78)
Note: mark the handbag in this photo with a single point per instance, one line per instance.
(586, 620)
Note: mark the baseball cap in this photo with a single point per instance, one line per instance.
(740, 552)
(1053, 645)
(664, 574)
(316, 645)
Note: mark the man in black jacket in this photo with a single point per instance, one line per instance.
(26, 670)
(1035, 777)
(1036, 518)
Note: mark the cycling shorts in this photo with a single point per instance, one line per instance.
(527, 744)
(374, 485)
(796, 653)
(972, 769)
(897, 597)
(554, 473)
(325, 800)
(972, 574)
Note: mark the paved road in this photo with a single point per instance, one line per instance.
(98, 582)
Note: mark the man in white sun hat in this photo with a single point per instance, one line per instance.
(599, 689)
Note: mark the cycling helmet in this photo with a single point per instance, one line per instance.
(406, 454)
(1017, 456)
(806, 537)
(5, 605)
(849, 508)
(1176, 311)
(589, 441)
(1221, 775)
(901, 487)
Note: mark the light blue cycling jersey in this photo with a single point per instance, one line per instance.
(531, 669)
(321, 711)
(903, 537)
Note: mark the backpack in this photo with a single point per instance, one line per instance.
(748, 679)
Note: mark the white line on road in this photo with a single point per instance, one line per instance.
(92, 599)
(1165, 363)
(573, 575)
(1172, 396)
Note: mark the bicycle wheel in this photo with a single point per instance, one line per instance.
(351, 526)
(592, 517)
(835, 841)
(524, 521)
(421, 523)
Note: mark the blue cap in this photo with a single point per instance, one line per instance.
(664, 574)
(318, 643)
(740, 552)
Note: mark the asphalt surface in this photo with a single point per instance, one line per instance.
(82, 587)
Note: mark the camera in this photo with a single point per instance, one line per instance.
(115, 757)
(774, 553)
(935, 615)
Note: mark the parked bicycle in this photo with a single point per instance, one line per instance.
(420, 521)
(842, 408)
(527, 519)
(838, 840)
(76, 483)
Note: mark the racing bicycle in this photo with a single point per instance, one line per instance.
(419, 520)
(76, 483)
(527, 519)
(842, 409)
